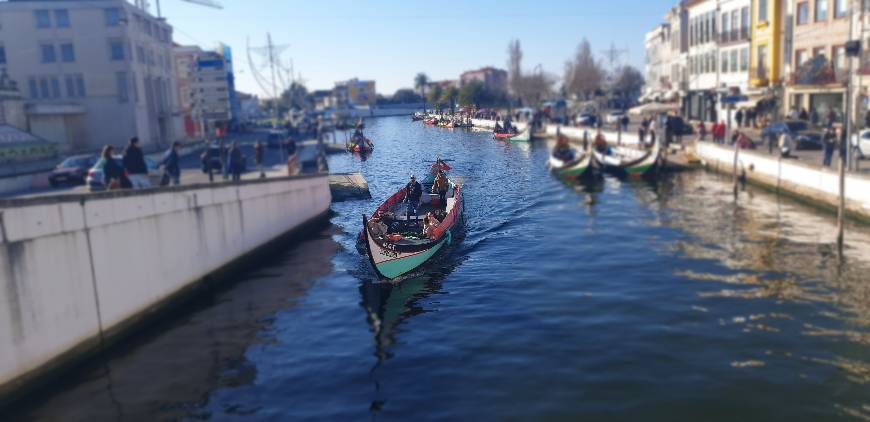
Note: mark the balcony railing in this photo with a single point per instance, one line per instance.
(734, 35)
(823, 75)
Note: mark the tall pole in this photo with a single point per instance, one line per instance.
(841, 209)
(271, 49)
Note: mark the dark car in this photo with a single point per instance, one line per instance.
(798, 130)
(72, 171)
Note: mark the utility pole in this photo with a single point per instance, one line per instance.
(853, 49)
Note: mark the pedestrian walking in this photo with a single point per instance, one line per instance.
(258, 158)
(829, 141)
(831, 118)
(625, 122)
(236, 161)
(771, 140)
(804, 115)
(702, 131)
(134, 165)
(171, 165)
(738, 117)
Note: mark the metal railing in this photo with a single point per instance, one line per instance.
(824, 75)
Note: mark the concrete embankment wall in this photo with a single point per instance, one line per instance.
(75, 270)
(817, 185)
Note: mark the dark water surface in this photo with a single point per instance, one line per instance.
(619, 300)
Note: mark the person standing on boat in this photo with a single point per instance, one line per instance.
(440, 186)
(413, 192)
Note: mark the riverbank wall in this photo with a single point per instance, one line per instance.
(77, 272)
(817, 185)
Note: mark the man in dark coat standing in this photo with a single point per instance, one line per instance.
(171, 167)
(413, 192)
(134, 165)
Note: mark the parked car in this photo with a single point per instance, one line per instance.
(798, 130)
(614, 117)
(95, 179)
(72, 171)
(587, 119)
(862, 143)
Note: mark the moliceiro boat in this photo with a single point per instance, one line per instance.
(397, 244)
(525, 136)
(633, 162)
(572, 165)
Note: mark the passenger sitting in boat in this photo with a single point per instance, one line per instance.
(563, 150)
(440, 187)
(377, 227)
(429, 223)
(413, 192)
(600, 144)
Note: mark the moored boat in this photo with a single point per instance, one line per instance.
(633, 162)
(524, 136)
(405, 246)
(573, 166)
(505, 135)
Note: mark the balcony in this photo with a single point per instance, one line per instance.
(734, 35)
(818, 75)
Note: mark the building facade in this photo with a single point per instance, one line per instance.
(657, 68)
(819, 72)
(494, 80)
(92, 72)
(700, 101)
(355, 92)
(185, 70)
(734, 29)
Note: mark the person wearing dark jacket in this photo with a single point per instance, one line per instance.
(236, 161)
(413, 192)
(134, 165)
(113, 173)
(258, 158)
(171, 167)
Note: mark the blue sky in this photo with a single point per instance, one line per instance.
(390, 40)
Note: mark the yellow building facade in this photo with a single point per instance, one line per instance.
(765, 63)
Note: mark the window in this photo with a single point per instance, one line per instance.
(34, 89)
(735, 22)
(744, 59)
(821, 10)
(80, 86)
(2, 54)
(840, 8)
(116, 50)
(43, 20)
(61, 18)
(48, 54)
(724, 62)
(762, 10)
(140, 54)
(803, 13)
(55, 88)
(800, 57)
(67, 53)
(70, 86)
(838, 57)
(43, 88)
(113, 16)
(122, 86)
(734, 63)
(744, 22)
(819, 52)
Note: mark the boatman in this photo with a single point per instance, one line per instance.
(440, 187)
(413, 192)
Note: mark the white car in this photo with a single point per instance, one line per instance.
(862, 143)
(614, 117)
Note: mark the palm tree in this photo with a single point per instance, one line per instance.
(420, 82)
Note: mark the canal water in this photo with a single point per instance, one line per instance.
(616, 300)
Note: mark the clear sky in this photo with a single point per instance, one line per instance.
(390, 41)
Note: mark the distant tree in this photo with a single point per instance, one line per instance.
(515, 67)
(583, 75)
(472, 94)
(406, 96)
(449, 97)
(420, 82)
(627, 83)
(434, 96)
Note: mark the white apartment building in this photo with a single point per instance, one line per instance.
(658, 64)
(700, 98)
(678, 19)
(734, 30)
(212, 90)
(93, 72)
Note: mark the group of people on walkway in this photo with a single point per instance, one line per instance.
(131, 171)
